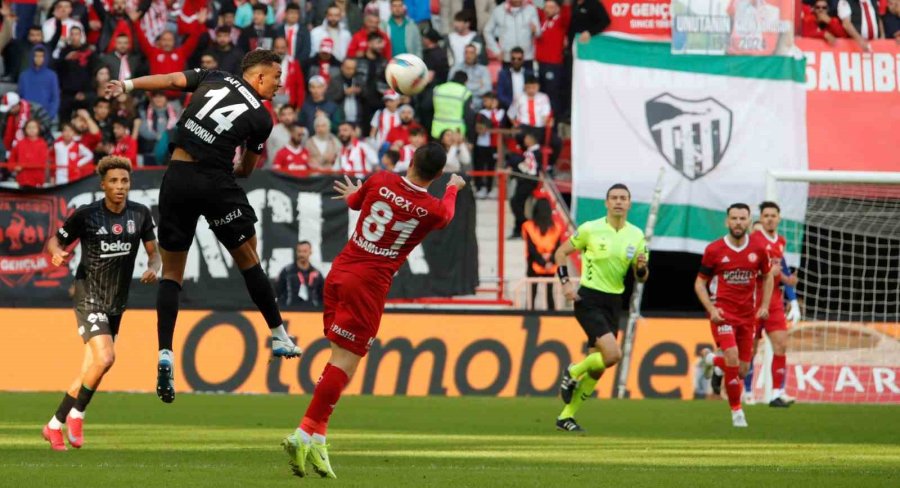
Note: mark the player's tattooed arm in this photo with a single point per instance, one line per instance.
(154, 263)
(171, 81)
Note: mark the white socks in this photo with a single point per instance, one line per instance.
(280, 334)
(54, 423)
(166, 355)
(304, 437)
(75, 414)
(307, 438)
(777, 393)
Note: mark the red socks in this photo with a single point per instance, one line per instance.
(719, 362)
(325, 397)
(779, 368)
(733, 387)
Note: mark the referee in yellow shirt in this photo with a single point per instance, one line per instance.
(610, 247)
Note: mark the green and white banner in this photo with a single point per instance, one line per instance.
(716, 124)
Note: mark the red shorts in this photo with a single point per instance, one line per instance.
(776, 321)
(740, 336)
(353, 308)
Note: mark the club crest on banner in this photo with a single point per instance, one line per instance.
(692, 135)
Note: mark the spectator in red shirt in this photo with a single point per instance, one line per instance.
(29, 157)
(293, 158)
(817, 23)
(360, 40)
(165, 57)
(548, 49)
(125, 145)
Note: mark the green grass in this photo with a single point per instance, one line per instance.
(221, 441)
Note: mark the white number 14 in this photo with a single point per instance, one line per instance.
(223, 116)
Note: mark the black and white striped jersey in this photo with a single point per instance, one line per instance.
(109, 246)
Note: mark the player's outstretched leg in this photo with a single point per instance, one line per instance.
(262, 294)
(309, 438)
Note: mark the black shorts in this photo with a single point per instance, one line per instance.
(190, 190)
(598, 313)
(92, 324)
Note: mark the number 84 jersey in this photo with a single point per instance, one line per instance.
(395, 216)
(224, 113)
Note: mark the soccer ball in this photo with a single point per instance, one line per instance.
(406, 74)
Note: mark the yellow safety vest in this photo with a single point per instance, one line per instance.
(449, 108)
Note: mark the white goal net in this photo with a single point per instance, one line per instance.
(847, 253)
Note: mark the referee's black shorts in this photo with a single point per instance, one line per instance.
(598, 313)
(190, 190)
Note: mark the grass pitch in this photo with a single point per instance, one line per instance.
(224, 440)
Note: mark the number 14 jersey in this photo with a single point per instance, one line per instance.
(225, 112)
(395, 216)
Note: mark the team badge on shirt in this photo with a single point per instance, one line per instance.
(131, 227)
(629, 252)
(752, 257)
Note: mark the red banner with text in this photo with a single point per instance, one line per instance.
(852, 105)
(647, 18)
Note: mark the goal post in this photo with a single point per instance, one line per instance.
(634, 309)
(846, 347)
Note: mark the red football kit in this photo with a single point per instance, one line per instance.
(775, 250)
(395, 215)
(732, 273)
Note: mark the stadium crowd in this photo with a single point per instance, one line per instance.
(490, 66)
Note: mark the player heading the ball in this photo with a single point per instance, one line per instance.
(225, 112)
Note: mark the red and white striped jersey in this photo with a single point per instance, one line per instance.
(406, 155)
(529, 111)
(357, 157)
(72, 160)
(383, 122)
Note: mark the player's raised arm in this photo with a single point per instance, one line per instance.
(448, 202)
(350, 192)
(171, 81)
